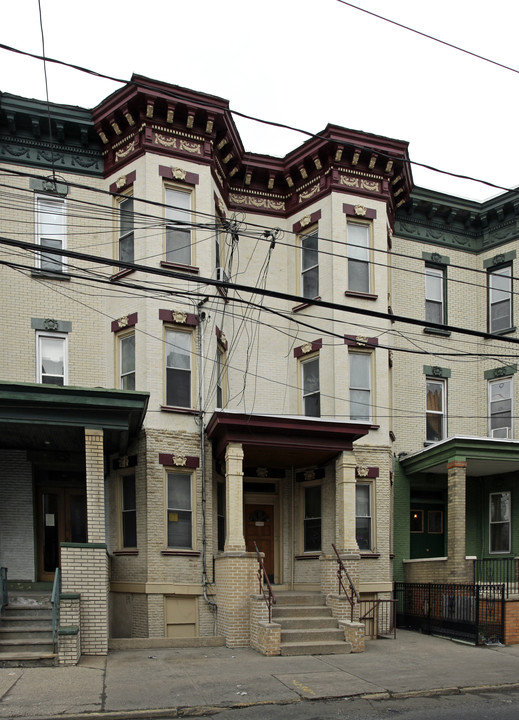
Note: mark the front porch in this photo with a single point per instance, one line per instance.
(290, 489)
(461, 525)
(54, 443)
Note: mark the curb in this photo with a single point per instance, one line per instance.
(205, 710)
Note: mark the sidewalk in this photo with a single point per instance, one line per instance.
(134, 681)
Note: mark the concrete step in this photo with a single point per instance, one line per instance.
(27, 659)
(33, 645)
(316, 648)
(37, 622)
(312, 635)
(42, 611)
(20, 632)
(300, 611)
(301, 623)
(299, 598)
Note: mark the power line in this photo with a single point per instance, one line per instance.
(263, 291)
(429, 37)
(171, 93)
(112, 213)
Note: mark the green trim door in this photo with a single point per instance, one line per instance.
(427, 527)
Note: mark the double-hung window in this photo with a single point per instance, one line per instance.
(221, 378)
(179, 511)
(311, 390)
(178, 226)
(358, 257)
(51, 233)
(500, 299)
(499, 522)
(127, 361)
(220, 513)
(363, 516)
(51, 358)
(178, 368)
(310, 265)
(126, 230)
(435, 295)
(500, 407)
(128, 511)
(435, 410)
(360, 386)
(312, 518)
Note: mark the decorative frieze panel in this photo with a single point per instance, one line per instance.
(28, 152)
(359, 183)
(254, 201)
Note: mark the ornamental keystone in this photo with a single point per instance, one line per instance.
(179, 317)
(178, 173)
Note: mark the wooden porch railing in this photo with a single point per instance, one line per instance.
(54, 599)
(263, 578)
(4, 594)
(353, 595)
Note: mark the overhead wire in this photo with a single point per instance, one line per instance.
(401, 413)
(169, 92)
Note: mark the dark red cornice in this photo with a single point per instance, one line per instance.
(149, 116)
(274, 432)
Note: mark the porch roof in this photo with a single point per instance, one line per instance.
(284, 441)
(35, 416)
(484, 456)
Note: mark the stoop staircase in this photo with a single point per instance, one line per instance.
(26, 631)
(307, 625)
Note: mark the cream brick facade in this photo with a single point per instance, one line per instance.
(121, 553)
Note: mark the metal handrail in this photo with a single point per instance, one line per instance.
(4, 593)
(268, 595)
(372, 613)
(354, 593)
(54, 599)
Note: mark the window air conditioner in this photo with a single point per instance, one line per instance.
(221, 275)
(503, 432)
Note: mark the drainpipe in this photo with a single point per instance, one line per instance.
(202, 317)
(292, 538)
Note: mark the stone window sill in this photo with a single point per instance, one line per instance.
(360, 295)
(437, 331)
(171, 409)
(307, 304)
(178, 266)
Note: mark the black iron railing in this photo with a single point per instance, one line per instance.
(4, 594)
(352, 595)
(54, 599)
(467, 611)
(379, 617)
(265, 588)
(497, 570)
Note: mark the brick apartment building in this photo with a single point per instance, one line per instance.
(160, 415)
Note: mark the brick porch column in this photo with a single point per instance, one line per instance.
(84, 566)
(345, 538)
(95, 487)
(235, 568)
(457, 565)
(234, 539)
(345, 483)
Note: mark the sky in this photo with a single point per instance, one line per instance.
(304, 63)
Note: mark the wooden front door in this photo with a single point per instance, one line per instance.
(61, 518)
(259, 529)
